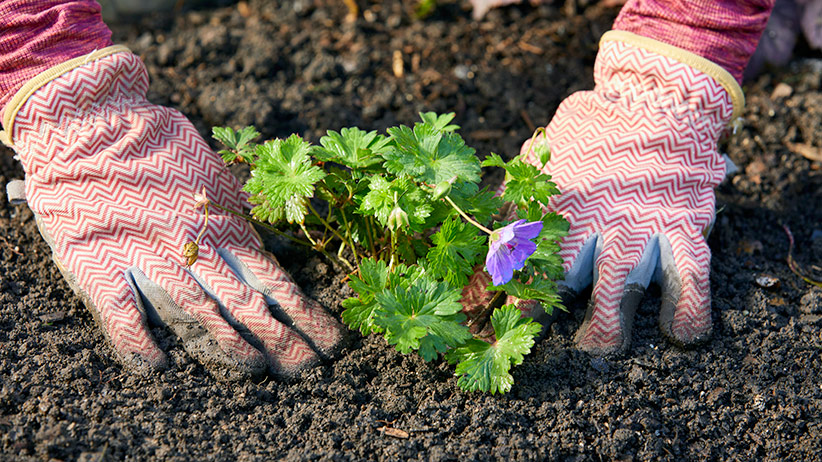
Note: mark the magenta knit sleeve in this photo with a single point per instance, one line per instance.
(723, 31)
(38, 34)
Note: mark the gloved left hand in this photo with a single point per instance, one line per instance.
(111, 179)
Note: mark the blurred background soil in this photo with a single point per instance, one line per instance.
(752, 392)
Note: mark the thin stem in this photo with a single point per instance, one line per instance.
(308, 236)
(339, 261)
(393, 250)
(369, 236)
(352, 243)
(325, 223)
(205, 225)
(268, 227)
(467, 218)
(485, 309)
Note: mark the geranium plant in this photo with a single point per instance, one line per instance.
(403, 213)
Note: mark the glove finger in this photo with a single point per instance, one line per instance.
(173, 295)
(287, 351)
(621, 276)
(685, 315)
(260, 271)
(115, 309)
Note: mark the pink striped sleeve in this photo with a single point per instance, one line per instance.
(723, 31)
(38, 34)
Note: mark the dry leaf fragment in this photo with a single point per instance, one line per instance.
(767, 282)
(395, 432)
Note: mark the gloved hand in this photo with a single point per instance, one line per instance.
(636, 162)
(111, 179)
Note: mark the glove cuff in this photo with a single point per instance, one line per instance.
(610, 62)
(37, 82)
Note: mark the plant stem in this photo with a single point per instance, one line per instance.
(310, 239)
(485, 309)
(268, 227)
(322, 220)
(467, 217)
(205, 225)
(369, 236)
(351, 240)
(393, 249)
(338, 261)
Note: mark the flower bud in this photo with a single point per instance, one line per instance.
(397, 219)
(191, 251)
(441, 190)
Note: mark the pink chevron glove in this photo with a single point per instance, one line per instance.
(110, 178)
(636, 162)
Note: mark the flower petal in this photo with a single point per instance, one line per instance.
(521, 251)
(528, 230)
(500, 265)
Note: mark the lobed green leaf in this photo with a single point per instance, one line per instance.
(285, 176)
(455, 251)
(359, 311)
(352, 147)
(424, 315)
(485, 367)
(430, 155)
(240, 148)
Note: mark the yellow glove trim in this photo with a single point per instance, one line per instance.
(697, 62)
(19, 99)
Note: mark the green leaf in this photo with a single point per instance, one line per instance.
(480, 204)
(424, 316)
(430, 155)
(238, 143)
(285, 176)
(546, 259)
(359, 311)
(535, 287)
(439, 122)
(456, 248)
(403, 276)
(384, 196)
(493, 160)
(526, 182)
(483, 366)
(352, 147)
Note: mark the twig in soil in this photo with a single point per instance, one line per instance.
(14, 249)
(793, 265)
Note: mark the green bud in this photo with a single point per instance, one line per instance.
(441, 190)
(397, 219)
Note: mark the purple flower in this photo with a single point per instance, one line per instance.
(509, 248)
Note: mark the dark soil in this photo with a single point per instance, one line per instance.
(753, 392)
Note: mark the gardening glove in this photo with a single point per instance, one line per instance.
(111, 179)
(636, 163)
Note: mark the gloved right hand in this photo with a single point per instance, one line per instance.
(636, 163)
(111, 179)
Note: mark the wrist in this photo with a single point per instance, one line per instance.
(28, 88)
